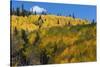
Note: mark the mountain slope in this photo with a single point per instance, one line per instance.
(33, 22)
(50, 39)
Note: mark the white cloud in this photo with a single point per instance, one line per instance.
(38, 9)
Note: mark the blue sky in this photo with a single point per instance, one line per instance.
(80, 11)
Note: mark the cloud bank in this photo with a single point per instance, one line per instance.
(37, 9)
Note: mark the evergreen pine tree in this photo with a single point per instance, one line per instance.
(18, 11)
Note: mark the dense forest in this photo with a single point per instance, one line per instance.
(50, 39)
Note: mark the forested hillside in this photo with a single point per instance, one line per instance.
(52, 39)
